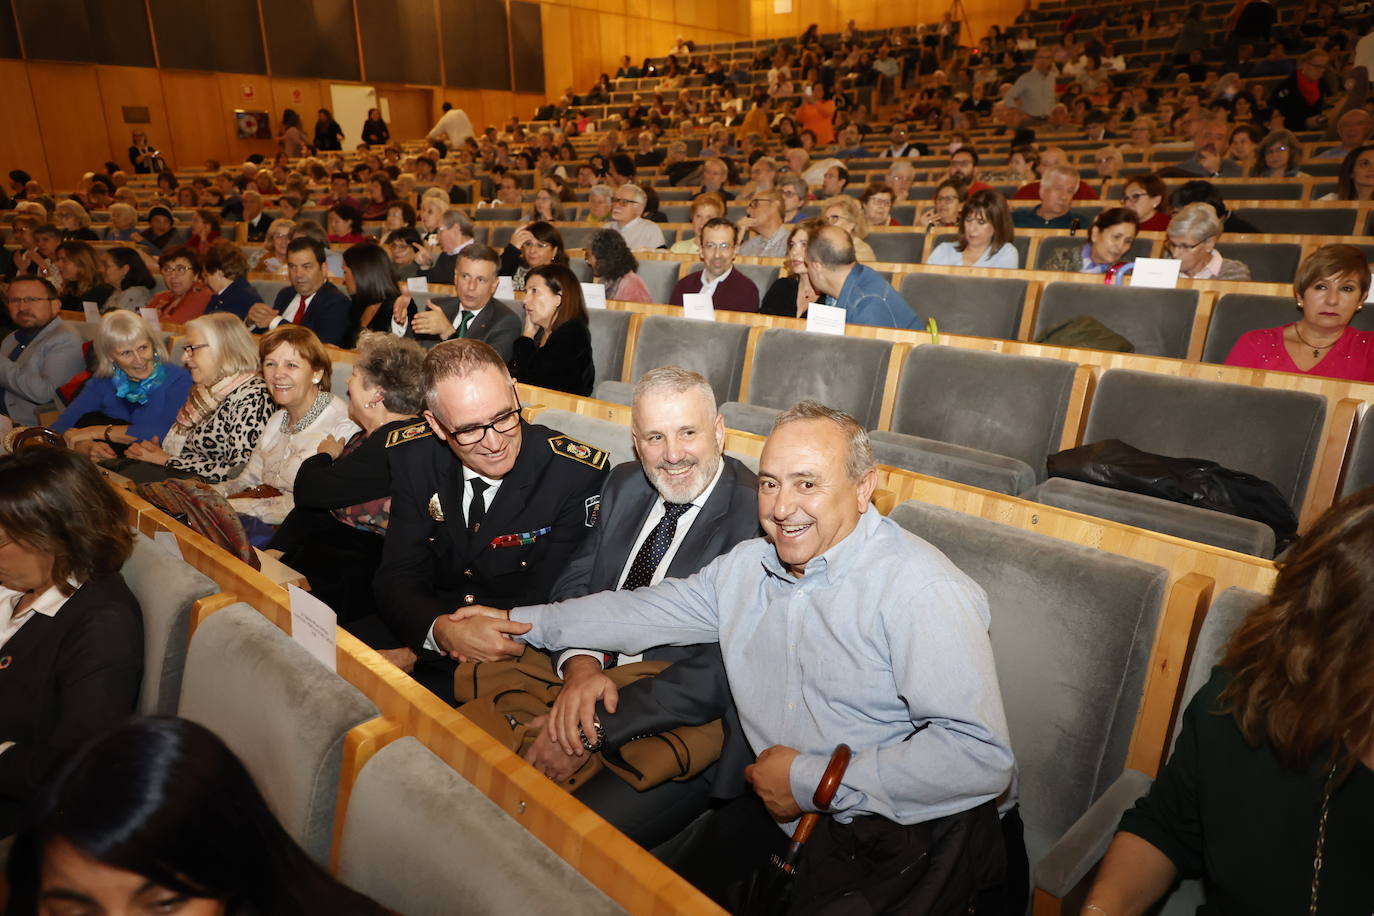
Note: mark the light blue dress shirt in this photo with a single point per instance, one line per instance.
(946, 255)
(882, 645)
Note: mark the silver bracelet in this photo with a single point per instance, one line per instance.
(1093, 906)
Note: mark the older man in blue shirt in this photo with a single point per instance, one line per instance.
(861, 291)
(840, 626)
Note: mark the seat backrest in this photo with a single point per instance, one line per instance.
(166, 588)
(282, 712)
(1359, 467)
(497, 214)
(1072, 630)
(981, 306)
(995, 402)
(1226, 613)
(581, 268)
(613, 438)
(1269, 262)
(763, 275)
(1236, 313)
(577, 236)
(1268, 432)
(897, 247)
(417, 837)
(268, 289)
(713, 348)
(660, 277)
(500, 236)
(610, 330)
(1297, 221)
(846, 373)
(1157, 321)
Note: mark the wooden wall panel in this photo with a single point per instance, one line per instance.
(558, 54)
(248, 92)
(224, 36)
(122, 87)
(67, 97)
(9, 31)
(21, 142)
(200, 125)
(305, 95)
(409, 111)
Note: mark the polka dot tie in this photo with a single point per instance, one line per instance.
(655, 546)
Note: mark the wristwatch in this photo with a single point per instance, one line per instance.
(600, 737)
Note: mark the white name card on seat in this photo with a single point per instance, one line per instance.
(151, 316)
(1156, 273)
(92, 312)
(698, 306)
(505, 287)
(594, 295)
(313, 625)
(417, 284)
(825, 319)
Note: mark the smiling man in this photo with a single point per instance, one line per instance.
(311, 301)
(726, 287)
(41, 355)
(840, 626)
(487, 510)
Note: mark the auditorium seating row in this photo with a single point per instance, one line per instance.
(371, 772)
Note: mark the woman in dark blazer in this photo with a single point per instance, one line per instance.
(71, 632)
(555, 350)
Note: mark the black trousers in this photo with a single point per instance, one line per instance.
(987, 860)
(651, 817)
(433, 671)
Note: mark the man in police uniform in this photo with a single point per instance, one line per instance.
(496, 526)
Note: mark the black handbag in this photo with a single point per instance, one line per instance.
(1192, 481)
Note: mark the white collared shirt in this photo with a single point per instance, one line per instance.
(294, 311)
(708, 287)
(451, 513)
(684, 524)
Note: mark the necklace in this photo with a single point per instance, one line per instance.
(1316, 350)
(322, 401)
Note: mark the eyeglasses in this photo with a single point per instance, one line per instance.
(624, 200)
(1185, 247)
(190, 349)
(176, 269)
(1132, 198)
(471, 435)
(30, 300)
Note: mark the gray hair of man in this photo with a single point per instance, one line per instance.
(1067, 172)
(674, 380)
(456, 217)
(1194, 223)
(831, 247)
(636, 192)
(602, 191)
(122, 329)
(458, 358)
(859, 460)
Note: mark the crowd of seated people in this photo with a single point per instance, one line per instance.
(430, 480)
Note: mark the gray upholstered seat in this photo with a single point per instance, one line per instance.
(846, 373)
(577, 236)
(714, 349)
(1299, 221)
(1084, 844)
(610, 331)
(660, 277)
(1072, 630)
(268, 289)
(1049, 247)
(763, 275)
(897, 247)
(283, 713)
(1271, 433)
(421, 840)
(981, 306)
(984, 419)
(166, 588)
(1236, 313)
(1359, 467)
(1269, 262)
(612, 437)
(500, 236)
(581, 268)
(496, 214)
(1157, 321)
(339, 371)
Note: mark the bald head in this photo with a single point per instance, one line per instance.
(829, 259)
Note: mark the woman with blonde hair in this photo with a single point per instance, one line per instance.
(1268, 793)
(219, 424)
(74, 222)
(272, 256)
(847, 213)
(133, 394)
(81, 280)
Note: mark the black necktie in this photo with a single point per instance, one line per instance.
(477, 508)
(655, 546)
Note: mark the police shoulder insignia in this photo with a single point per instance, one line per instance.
(408, 433)
(580, 452)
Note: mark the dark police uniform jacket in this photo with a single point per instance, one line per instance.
(432, 564)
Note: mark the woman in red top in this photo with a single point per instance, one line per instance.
(204, 230)
(818, 115)
(1148, 197)
(345, 225)
(1331, 285)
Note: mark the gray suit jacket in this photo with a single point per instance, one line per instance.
(497, 323)
(31, 381)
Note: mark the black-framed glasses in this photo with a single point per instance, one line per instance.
(189, 349)
(471, 435)
(31, 300)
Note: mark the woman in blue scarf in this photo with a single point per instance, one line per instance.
(134, 393)
(1109, 245)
